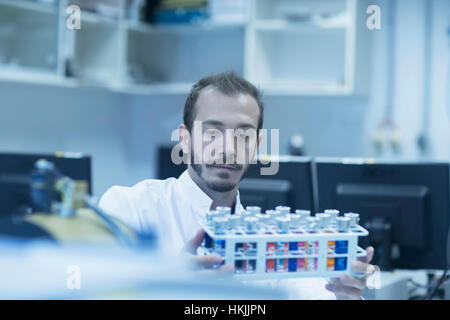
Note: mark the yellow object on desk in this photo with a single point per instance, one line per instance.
(85, 227)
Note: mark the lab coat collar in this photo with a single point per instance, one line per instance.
(199, 200)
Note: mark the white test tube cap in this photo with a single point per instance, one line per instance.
(223, 210)
(343, 224)
(333, 213)
(303, 214)
(253, 209)
(354, 218)
(283, 209)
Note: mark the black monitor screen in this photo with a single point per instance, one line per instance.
(15, 169)
(290, 186)
(405, 206)
(166, 167)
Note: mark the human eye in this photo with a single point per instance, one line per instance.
(212, 132)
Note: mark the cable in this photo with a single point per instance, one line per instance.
(447, 96)
(439, 284)
(418, 285)
(112, 226)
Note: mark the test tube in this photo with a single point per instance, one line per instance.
(210, 215)
(312, 224)
(273, 214)
(295, 221)
(354, 218)
(283, 224)
(253, 209)
(333, 214)
(220, 225)
(304, 214)
(324, 220)
(263, 219)
(283, 209)
(223, 211)
(235, 221)
(343, 224)
(250, 225)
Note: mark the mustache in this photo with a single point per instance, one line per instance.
(232, 166)
(220, 162)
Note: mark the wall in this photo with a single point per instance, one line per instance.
(48, 119)
(410, 80)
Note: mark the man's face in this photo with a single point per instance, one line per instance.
(226, 129)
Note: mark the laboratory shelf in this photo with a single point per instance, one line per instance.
(20, 5)
(320, 50)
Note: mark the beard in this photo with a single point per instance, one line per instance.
(218, 186)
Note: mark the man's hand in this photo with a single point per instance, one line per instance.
(348, 287)
(199, 262)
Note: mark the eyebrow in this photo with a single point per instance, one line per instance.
(221, 124)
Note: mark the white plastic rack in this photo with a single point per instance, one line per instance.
(281, 244)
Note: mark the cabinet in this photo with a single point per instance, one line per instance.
(286, 47)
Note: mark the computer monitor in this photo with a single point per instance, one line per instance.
(290, 186)
(15, 169)
(404, 205)
(166, 167)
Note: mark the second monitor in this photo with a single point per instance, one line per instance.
(290, 186)
(404, 205)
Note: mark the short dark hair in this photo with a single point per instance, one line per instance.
(228, 83)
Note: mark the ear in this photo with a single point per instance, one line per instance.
(185, 138)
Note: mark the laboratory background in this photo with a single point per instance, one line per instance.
(349, 84)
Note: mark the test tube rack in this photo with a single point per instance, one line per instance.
(281, 244)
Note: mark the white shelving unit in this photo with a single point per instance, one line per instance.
(307, 47)
(35, 52)
(287, 47)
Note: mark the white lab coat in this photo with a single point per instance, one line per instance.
(172, 208)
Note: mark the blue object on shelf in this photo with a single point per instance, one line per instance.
(181, 16)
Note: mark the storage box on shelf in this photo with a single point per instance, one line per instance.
(286, 47)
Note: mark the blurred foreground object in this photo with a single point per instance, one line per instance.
(63, 210)
(42, 270)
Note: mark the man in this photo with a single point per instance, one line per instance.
(215, 105)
